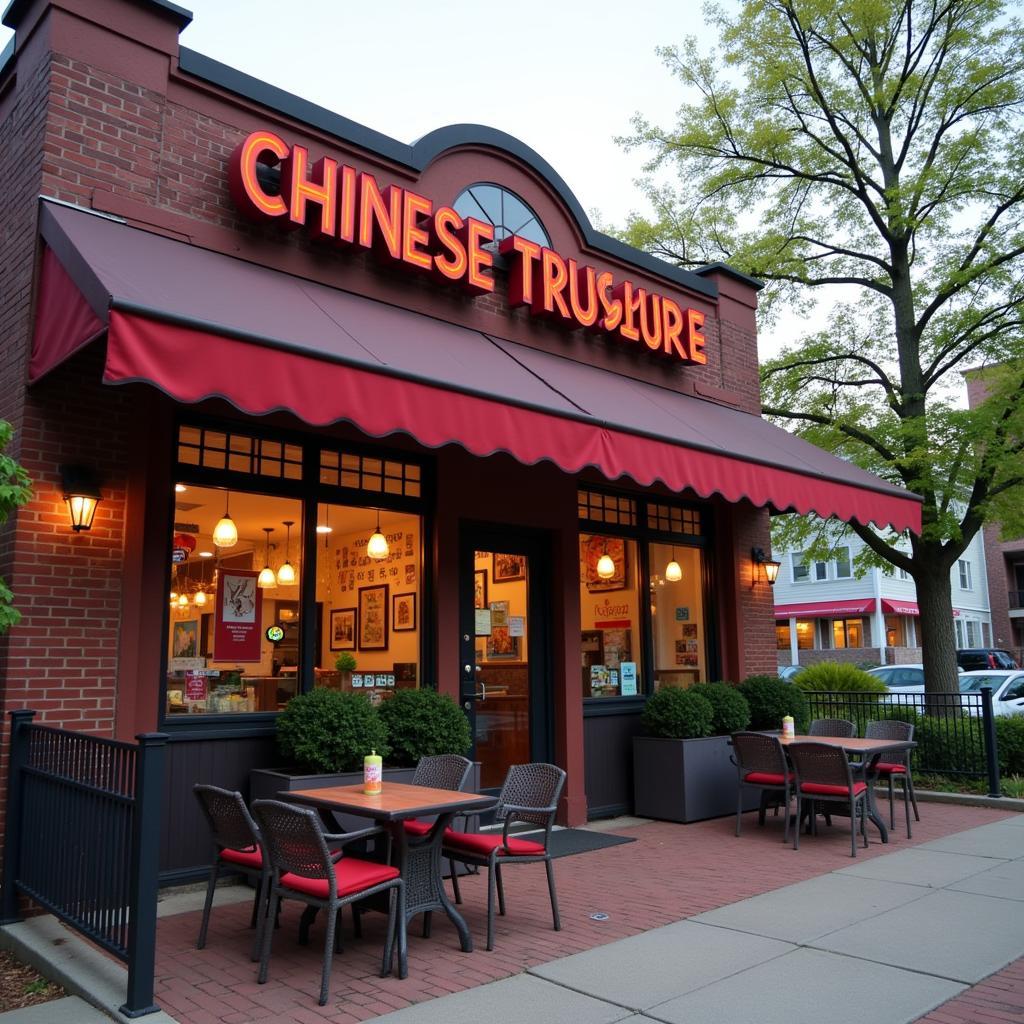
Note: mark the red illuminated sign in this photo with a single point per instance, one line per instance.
(346, 207)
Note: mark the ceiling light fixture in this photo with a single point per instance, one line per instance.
(377, 546)
(267, 580)
(225, 533)
(605, 564)
(286, 574)
(673, 571)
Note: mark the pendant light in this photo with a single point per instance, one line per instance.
(183, 600)
(605, 564)
(673, 571)
(325, 526)
(377, 546)
(267, 580)
(200, 599)
(286, 574)
(225, 533)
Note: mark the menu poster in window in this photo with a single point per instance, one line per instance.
(238, 618)
(628, 677)
(617, 647)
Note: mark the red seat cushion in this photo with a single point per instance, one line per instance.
(819, 789)
(351, 873)
(888, 766)
(246, 858)
(481, 844)
(766, 778)
(415, 827)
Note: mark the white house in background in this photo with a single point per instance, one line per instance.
(825, 613)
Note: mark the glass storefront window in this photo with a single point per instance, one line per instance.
(610, 618)
(233, 629)
(677, 617)
(371, 607)
(782, 636)
(805, 634)
(848, 633)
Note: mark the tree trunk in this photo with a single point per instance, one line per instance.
(938, 641)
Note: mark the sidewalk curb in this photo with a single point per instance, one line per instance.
(60, 955)
(998, 803)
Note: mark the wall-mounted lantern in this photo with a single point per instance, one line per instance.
(768, 565)
(82, 495)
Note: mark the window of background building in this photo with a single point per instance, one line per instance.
(973, 637)
(782, 635)
(820, 571)
(965, 574)
(894, 634)
(801, 570)
(958, 628)
(805, 634)
(849, 632)
(842, 564)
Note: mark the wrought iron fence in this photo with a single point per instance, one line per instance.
(82, 838)
(955, 732)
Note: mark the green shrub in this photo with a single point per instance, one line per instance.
(345, 662)
(771, 699)
(421, 723)
(330, 731)
(678, 714)
(949, 743)
(732, 712)
(1010, 744)
(835, 676)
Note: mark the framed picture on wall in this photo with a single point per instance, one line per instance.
(501, 646)
(480, 588)
(506, 568)
(591, 550)
(185, 639)
(403, 612)
(343, 629)
(373, 618)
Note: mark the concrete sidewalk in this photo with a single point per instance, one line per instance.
(883, 940)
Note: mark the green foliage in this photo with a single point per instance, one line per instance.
(949, 743)
(345, 662)
(879, 146)
(15, 490)
(330, 731)
(835, 676)
(731, 710)
(421, 723)
(771, 699)
(1010, 743)
(678, 714)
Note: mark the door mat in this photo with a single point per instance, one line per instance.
(567, 841)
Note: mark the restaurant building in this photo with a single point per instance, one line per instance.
(339, 393)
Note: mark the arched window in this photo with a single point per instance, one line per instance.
(496, 205)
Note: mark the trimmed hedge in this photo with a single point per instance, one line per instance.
(834, 676)
(771, 699)
(730, 707)
(422, 723)
(678, 714)
(330, 731)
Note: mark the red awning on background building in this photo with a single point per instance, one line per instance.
(892, 607)
(199, 324)
(824, 609)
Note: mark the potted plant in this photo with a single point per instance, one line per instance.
(345, 665)
(682, 769)
(324, 735)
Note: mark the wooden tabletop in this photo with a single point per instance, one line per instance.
(396, 800)
(855, 744)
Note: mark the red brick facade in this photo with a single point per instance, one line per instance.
(95, 112)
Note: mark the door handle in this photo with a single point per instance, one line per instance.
(481, 694)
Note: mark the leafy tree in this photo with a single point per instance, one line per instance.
(14, 491)
(874, 145)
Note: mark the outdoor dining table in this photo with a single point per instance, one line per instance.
(871, 751)
(418, 858)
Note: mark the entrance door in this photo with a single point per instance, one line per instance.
(504, 656)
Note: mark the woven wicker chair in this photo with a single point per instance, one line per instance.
(237, 847)
(895, 766)
(832, 727)
(439, 771)
(530, 793)
(761, 762)
(302, 868)
(823, 774)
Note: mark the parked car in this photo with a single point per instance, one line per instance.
(972, 659)
(901, 678)
(1007, 689)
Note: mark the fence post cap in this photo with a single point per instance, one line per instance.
(151, 739)
(23, 714)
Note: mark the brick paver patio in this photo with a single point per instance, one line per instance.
(671, 872)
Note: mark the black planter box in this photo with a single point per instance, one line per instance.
(686, 780)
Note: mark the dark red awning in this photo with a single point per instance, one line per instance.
(894, 607)
(199, 324)
(824, 609)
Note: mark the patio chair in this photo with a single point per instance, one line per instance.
(237, 847)
(761, 762)
(824, 775)
(530, 794)
(832, 727)
(439, 771)
(302, 868)
(896, 766)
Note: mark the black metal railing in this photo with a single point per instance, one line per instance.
(955, 733)
(82, 839)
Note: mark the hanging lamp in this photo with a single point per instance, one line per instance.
(605, 564)
(225, 533)
(325, 526)
(286, 574)
(267, 580)
(377, 546)
(673, 571)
